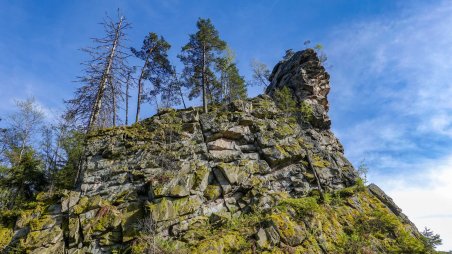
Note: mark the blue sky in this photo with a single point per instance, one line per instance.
(390, 65)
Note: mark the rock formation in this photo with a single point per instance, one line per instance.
(244, 178)
(304, 75)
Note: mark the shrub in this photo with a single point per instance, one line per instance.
(285, 101)
(307, 112)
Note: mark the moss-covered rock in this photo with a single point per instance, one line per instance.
(45, 237)
(43, 222)
(291, 232)
(212, 192)
(6, 234)
(228, 243)
(131, 216)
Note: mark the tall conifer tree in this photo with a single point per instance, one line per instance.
(156, 67)
(199, 56)
(231, 85)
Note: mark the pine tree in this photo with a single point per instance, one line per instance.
(172, 91)
(96, 101)
(199, 56)
(430, 239)
(156, 67)
(231, 85)
(236, 87)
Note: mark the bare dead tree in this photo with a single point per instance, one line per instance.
(261, 74)
(106, 71)
(130, 81)
(312, 168)
(148, 226)
(22, 127)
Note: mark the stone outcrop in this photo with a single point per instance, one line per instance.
(245, 177)
(305, 76)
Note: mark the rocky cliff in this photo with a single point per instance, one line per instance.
(246, 177)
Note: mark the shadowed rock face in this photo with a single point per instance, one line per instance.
(304, 74)
(244, 177)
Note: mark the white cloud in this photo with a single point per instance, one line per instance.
(392, 83)
(438, 122)
(51, 115)
(400, 63)
(391, 105)
(425, 196)
(368, 137)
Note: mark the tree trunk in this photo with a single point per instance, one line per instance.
(203, 82)
(55, 161)
(157, 103)
(105, 77)
(114, 104)
(140, 85)
(182, 97)
(179, 86)
(22, 149)
(114, 111)
(127, 99)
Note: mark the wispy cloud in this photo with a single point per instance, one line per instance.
(391, 104)
(395, 74)
(424, 195)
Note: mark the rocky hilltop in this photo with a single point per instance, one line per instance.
(247, 177)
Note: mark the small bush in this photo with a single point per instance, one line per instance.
(307, 112)
(359, 185)
(346, 192)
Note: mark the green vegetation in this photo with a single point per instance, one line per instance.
(379, 225)
(156, 68)
(212, 192)
(430, 239)
(371, 228)
(319, 162)
(303, 206)
(321, 54)
(285, 101)
(199, 76)
(6, 235)
(362, 170)
(230, 86)
(306, 111)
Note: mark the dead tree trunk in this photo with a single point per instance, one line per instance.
(105, 77)
(203, 82)
(140, 85)
(311, 167)
(127, 98)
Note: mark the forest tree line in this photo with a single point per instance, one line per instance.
(36, 155)
(209, 72)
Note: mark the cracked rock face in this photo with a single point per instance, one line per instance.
(191, 172)
(183, 166)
